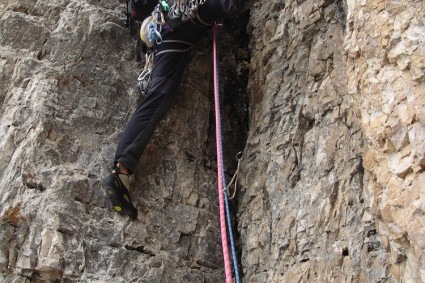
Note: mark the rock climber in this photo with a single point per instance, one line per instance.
(191, 20)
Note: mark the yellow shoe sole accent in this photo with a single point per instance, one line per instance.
(117, 208)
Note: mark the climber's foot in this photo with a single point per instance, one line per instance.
(115, 187)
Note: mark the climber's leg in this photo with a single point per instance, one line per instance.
(166, 77)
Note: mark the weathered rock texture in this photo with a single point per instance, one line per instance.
(386, 62)
(68, 73)
(331, 186)
(304, 214)
(336, 87)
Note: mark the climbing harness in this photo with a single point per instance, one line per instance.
(221, 183)
(144, 79)
(166, 15)
(158, 22)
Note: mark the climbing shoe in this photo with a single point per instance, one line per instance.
(116, 188)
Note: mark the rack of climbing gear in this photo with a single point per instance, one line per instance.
(221, 182)
(166, 15)
(184, 9)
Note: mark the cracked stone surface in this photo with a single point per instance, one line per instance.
(68, 77)
(332, 180)
(325, 99)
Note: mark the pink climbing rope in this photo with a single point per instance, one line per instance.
(224, 244)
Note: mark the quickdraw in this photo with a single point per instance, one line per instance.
(234, 180)
(155, 32)
(152, 26)
(144, 79)
(158, 15)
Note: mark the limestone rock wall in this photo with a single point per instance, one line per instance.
(386, 62)
(330, 122)
(304, 214)
(333, 168)
(67, 88)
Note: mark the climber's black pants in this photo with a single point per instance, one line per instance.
(170, 61)
(166, 78)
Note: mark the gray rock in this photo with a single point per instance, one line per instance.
(325, 98)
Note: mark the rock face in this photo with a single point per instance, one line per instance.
(331, 123)
(68, 73)
(304, 213)
(386, 59)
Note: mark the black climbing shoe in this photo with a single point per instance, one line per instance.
(115, 187)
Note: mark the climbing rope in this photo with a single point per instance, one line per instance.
(222, 193)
